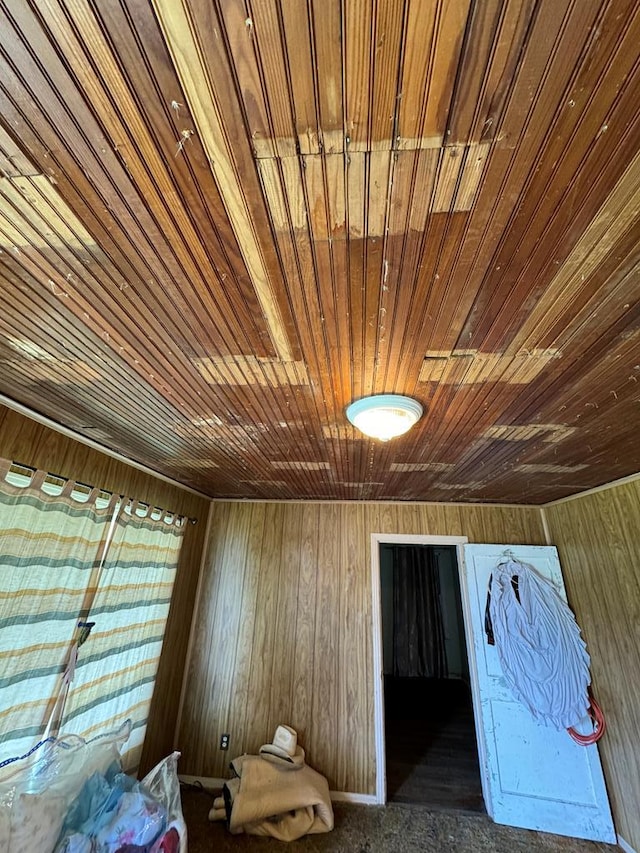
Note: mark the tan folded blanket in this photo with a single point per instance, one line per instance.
(279, 802)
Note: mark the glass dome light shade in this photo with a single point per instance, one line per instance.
(384, 416)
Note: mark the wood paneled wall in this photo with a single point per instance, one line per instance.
(31, 443)
(284, 633)
(598, 539)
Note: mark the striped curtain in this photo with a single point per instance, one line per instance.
(51, 578)
(49, 545)
(117, 665)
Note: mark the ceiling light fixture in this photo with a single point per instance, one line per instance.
(384, 416)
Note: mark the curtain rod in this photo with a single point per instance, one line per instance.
(51, 476)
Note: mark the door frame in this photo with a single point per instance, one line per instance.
(378, 539)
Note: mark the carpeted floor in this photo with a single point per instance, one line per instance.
(394, 828)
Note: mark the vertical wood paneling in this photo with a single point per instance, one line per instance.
(304, 646)
(303, 669)
(239, 677)
(266, 645)
(228, 614)
(597, 539)
(287, 598)
(196, 721)
(26, 441)
(355, 663)
(329, 613)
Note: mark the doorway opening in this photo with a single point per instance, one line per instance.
(430, 748)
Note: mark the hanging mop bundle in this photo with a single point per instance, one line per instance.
(543, 657)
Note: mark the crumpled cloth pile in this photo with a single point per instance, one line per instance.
(275, 793)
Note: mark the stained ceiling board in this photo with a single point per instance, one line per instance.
(222, 222)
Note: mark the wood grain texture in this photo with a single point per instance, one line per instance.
(197, 77)
(26, 441)
(284, 633)
(597, 539)
(226, 221)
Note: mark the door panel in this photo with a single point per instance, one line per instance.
(533, 776)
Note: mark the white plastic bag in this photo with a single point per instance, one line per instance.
(163, 784)
(115, 812)
(36, 790)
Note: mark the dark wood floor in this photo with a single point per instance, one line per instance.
(431, 750)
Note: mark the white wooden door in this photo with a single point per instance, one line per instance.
(532, 776)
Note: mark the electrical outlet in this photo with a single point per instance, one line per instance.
(224, 741)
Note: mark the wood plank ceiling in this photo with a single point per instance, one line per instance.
(223, 221)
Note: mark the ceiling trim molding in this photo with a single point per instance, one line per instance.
(94, 445)
(381, 503)
(621, 482)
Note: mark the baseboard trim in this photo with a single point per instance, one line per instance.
(347, 797)
(214, 783)
(625, 846)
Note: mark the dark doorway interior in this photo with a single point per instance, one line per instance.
(431, 750)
